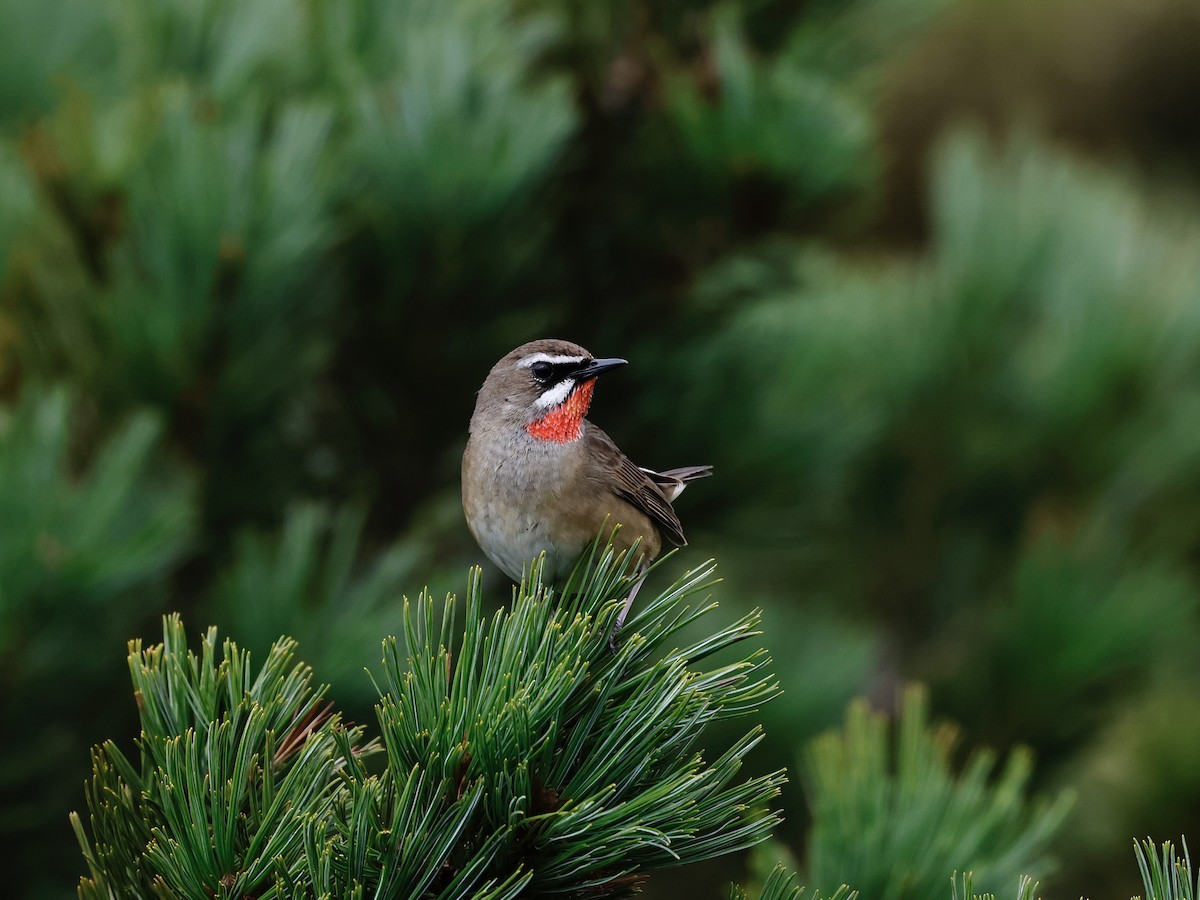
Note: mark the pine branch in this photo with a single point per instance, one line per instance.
(523, 756)
(233, 764)
(89, 533)
(1026, 887)
(1165, 876)
(891, 817)
(781, 885)
(766, 117)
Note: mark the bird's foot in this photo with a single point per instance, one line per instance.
(612, 635)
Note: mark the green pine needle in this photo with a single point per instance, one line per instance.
(1026, 888)
(892, 817)
(781, 885)
(523, 756)
(1165, 876)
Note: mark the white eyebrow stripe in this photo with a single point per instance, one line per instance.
(555, 395)
(547, 358)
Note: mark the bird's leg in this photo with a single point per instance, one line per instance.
(612, 635)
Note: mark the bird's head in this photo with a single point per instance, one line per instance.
(544, 387)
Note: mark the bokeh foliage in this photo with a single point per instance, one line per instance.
(920, 277)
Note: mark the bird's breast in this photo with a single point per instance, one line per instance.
(520, 497)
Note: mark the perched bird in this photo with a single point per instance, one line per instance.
(539, 477)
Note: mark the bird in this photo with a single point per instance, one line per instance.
(540, 478)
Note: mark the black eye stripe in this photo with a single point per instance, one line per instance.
(552, 373)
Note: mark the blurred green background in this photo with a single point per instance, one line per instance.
(920, 278)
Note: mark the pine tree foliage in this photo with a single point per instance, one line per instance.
(781, 885)
(1010, 401)
(265, 227)
(773, 118)
(234, 764)
(216, 273)
(1025, 243)
(20, 206)
(314, 574)
(100, 532)
(1164, 874)
(524, 756)
(1026, 888)
(206, 174)
(87, 538)
(28, 67)
(447, 127)
(891, 817)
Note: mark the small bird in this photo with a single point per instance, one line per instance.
(537, 477)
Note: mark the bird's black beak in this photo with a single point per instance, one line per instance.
(595, 367)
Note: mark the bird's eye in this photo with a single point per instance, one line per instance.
(541, 370)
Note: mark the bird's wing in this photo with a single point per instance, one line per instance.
(634, 486)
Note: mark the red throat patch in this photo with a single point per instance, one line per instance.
(564, 423)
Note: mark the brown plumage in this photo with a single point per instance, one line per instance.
(539, 477)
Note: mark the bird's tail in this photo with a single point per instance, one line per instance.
(673, 481)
